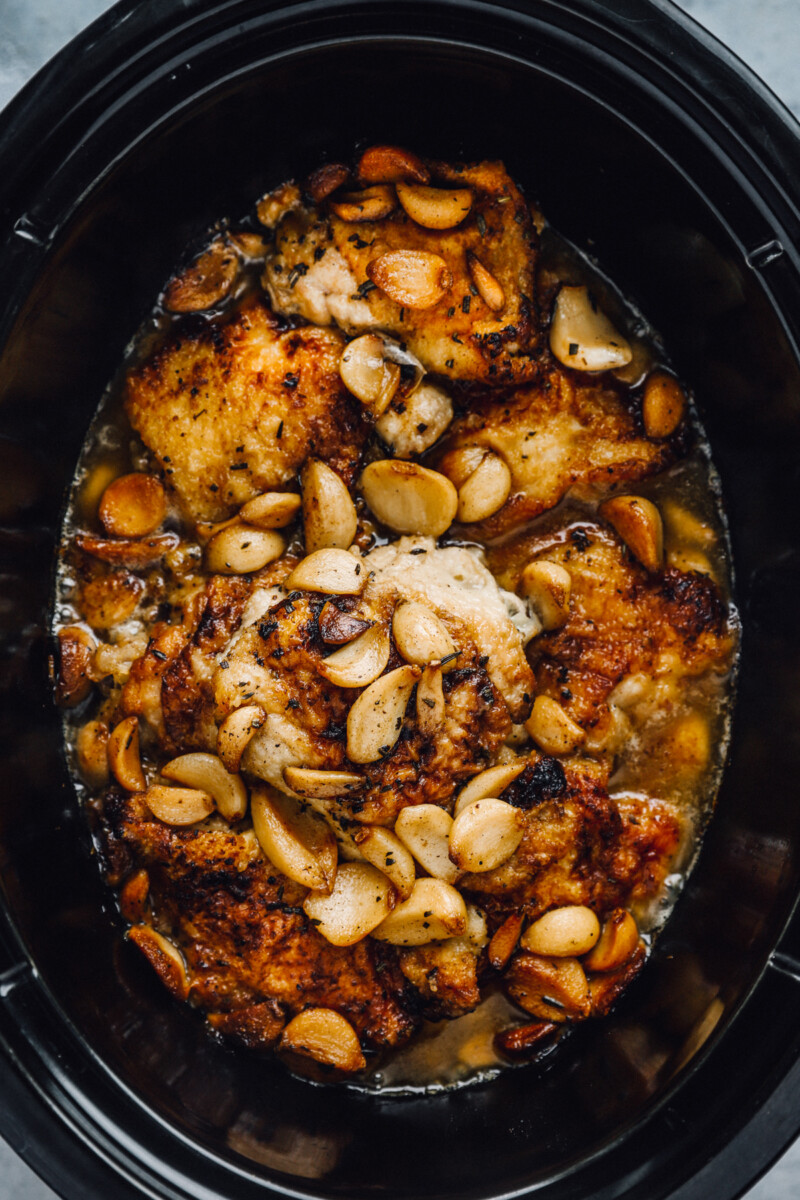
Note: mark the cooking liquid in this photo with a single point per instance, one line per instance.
(451, 1053)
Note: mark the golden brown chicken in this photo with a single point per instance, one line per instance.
(565, 435)
(234, 409)
(322, 269)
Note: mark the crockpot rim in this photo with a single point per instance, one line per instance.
(92, 38)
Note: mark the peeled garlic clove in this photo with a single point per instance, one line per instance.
(373, 204)
(128, 552)
(425, 415)
(434, 207)
(489, 290)
(295, 840)
(551, 728)
(409, 498)
(133, 506)
(360, 661)
(336, 628)
(123, 755)
(459, 464)
(490, 782)
(616, 944)
(484, 835)
(325, 180)
(385, 851)
(368, 373)
(133, 896)
(638, 523)
(582, 337)
(235, 732)
(376, 719)
(321, 785)
(486, 490)
(178, 805)
(242, 549)
(329, 515)
(504, 941)
(476, 932)
(361, 898)
(412, 278)
(332, 570)
(433, 911)
(165, 958)
(91, 749)
(325, 1036)
(208, 773)
(424, 829)
(388, 164)
(270, 510)
(547, 585)
(563, 932)
(663, 405)
(207, 281)
(554, 989)
(73, 666)
(430, 701)
(420, 636)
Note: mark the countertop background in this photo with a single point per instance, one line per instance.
(764, 33)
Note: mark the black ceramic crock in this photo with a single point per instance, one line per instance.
(655, 150)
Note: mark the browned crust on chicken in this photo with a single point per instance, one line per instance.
(244, 936)
(446, 976)
(622, 621)
(580, 846)
(563, 435)
(233, 409)
(319, 270)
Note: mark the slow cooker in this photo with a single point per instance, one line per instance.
(659, 154)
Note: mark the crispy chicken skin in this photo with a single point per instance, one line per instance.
(318, 270)
(564, 434)
(579, 846)
(234, 409)
(245, 939)
(656, 631)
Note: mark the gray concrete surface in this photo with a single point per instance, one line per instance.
(764, 33)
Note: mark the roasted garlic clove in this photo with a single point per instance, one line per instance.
(331, 571)
(123, 755)
(235, 732)
(376, 719)
(321, 785)
(488, 288)
(433, 911)
(385, 851)
(361, 898)
(359, 662)
(409, 498)
(420, 636)
(373, 204)
(551, 728)
(388, 164)
(424, 829)
(178, 805)
(663, 405)
(638, 523)
(325, 1036)
(582, 337)
(368, 373)
(271, 510)
(430, 701)
(329, 515)
(484, 835)
(242, 549)
(434, 207)
(616, 944)
(133, 506)
(547, 585)
(415, 279)
(208, 773)
(490, 782)
(485, 491)
(565, 932)
(296, 840)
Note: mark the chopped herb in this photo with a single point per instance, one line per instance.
(242, 466)
(291, 380)
(450, 363)
(422, 427)
(430, 703)
(212, 487)
(297, 272)
(418, 550)
(465, 303)
(481, 223)
(319, 253)
(456, 339)
(451, 312)
(365, 288)
(160, 655)
(279, 434)
(573, 348)
(402, 314)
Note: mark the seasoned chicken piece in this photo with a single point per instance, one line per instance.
(233, 409)
(633, 641)
(446, 976)
(318, 270)
(567, 434)
(244, 936)
(579, 846)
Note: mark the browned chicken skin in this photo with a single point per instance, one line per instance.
(319, 271)
(235, 409)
